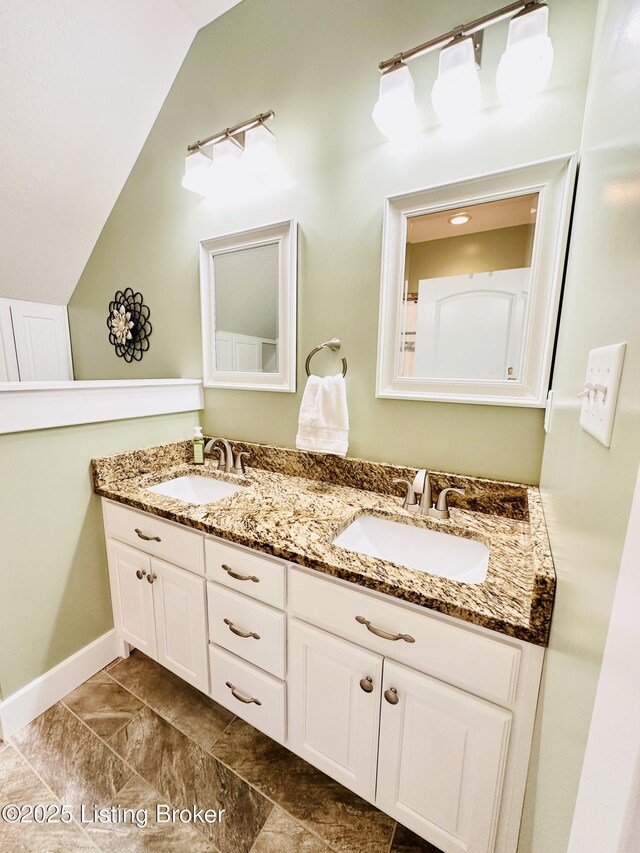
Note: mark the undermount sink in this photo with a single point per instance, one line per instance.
(195, 489)
(453, 557)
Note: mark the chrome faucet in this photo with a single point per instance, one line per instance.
(422, 486)
(225, 458)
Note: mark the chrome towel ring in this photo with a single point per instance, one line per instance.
(334, 344)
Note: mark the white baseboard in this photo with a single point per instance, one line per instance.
(35, 698)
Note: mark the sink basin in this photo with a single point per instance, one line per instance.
(195, 489)
(453, 557)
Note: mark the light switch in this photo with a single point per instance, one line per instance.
(600, 394)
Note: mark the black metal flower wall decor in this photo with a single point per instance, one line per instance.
(128, 324)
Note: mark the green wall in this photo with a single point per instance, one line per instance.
(54, 587)
(483, 251)
(315, 64)
(587, 488)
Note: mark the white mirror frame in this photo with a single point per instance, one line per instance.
(285, 235)
(554, 181)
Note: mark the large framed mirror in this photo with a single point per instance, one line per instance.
(470, 287)
(248, 294)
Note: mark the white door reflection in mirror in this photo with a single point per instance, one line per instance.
(470, 286)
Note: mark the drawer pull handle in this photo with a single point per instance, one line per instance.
(384, 634)
(391, 695)
(367, 684)
(238, 577)
(244, 634)
(140, 573)
(246, 699)
(146, 538)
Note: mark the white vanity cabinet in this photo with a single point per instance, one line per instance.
(426, 716)
(334, 706)
(246, 594)
(158, 608)
(442, 760)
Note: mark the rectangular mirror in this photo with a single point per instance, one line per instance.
(248, 290)
(470, 286)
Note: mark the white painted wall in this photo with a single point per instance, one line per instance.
(586, 488)
(607, 811)
(81, 83)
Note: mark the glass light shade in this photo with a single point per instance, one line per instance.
(260, 155)
(525, 66)
(228, 177)
(197, 173)
(456, 93)
(395, 113)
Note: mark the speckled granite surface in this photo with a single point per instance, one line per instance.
(296, 518)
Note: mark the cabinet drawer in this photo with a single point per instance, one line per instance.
(156, 537)
(250, 630)
(246, 571)
(248, 684)
(459, 656)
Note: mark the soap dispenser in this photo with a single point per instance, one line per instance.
(198, 446)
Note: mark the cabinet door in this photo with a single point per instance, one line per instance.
(181, 623)
(8, 358)
(132, 596)
(442, 758)
(333, 709)
(41, 334)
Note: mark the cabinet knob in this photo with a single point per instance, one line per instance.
(151, 578)
(140, 573)
(367, 684)
(391, 695)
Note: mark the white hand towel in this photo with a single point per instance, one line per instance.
(323, 423)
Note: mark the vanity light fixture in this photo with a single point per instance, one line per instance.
(395, 112)
(197, 172)
(523, 71)
(525, 65)
(456, 93)
(242, 158)
(460, 219)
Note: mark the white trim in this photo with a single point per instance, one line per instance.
(285, 234)
(554, 180)
(35, 698)
(42, 405)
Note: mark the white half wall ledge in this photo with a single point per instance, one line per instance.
(26, 406)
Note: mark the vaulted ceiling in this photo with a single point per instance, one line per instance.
(81, 83)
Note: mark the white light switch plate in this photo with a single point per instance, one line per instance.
(604, 368)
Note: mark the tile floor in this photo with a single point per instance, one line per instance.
(135, 735)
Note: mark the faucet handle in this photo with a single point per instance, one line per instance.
(441, 509)
(410, 499)
(238, 465)
(217, 450)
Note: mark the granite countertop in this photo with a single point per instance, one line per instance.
(296, 518)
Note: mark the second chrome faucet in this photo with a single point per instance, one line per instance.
(418, 497)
